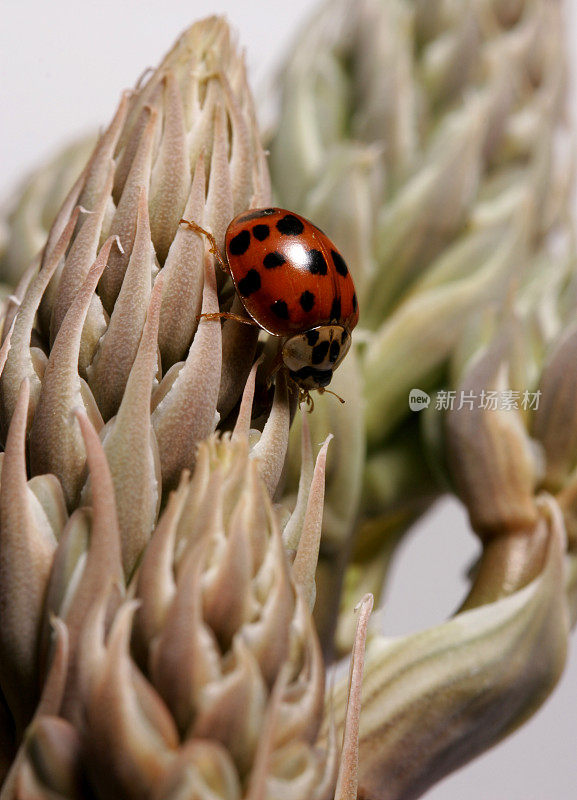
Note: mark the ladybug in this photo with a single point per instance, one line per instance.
(294, 284)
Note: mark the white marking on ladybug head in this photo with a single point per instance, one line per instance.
(311, 357)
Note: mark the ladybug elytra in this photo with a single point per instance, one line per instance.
(293, 283)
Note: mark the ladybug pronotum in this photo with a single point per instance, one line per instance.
(294, 283)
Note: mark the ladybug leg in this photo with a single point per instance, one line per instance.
(228, 315)
(213, 248)
(306, 397)
(277, 364)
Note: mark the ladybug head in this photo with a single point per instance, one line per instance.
(311, 357)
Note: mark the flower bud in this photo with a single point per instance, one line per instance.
(435, 699)
(184, 143)
(493, 463)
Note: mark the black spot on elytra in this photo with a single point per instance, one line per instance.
(261, 232)
(334, 351)
(354, 302)
(312, 337)
(239, 244)
(250, 283)
(307, 301)
(321, 377)
(289, 225)
(336, 308)
(316, 262)
(320, 352)
(340, 263)
(272, 260)
(280, 308)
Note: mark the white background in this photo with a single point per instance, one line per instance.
(63, 65)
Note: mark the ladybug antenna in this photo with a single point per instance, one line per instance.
(322, 390)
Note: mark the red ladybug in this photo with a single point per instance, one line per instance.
(294, 283)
